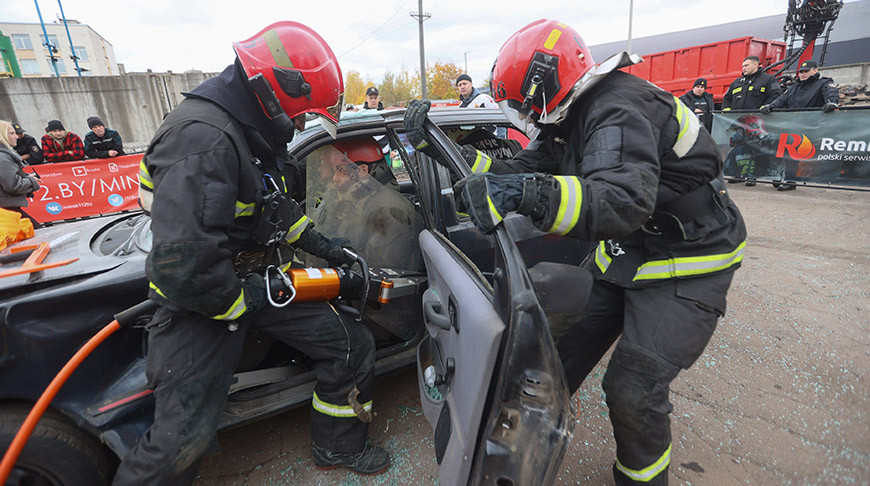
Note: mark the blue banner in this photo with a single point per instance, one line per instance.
(796, 146)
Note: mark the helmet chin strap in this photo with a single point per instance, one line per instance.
(281, 123)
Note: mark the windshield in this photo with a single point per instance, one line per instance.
(362, 203)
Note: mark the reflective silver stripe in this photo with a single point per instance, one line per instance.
(237, 308)
(297, 229)
(689, 128)
(602, 259)
(646, 474)
(493, 212)
(243, 209)
(345, 411)
(571, 193)
(146, 197)
(144, 176)
(688, 266)
(479, 168)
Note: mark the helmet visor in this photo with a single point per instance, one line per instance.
(524, 120)
(333, 114)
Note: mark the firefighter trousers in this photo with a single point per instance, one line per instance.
(190, 364)
(663, 329)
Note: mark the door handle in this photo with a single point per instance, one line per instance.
(433, 309)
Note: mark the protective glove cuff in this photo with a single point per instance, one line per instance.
(531, 203)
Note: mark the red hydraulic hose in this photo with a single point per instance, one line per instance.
(57, 383)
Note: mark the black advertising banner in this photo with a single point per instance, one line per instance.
(802, 146)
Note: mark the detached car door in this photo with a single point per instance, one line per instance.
(490, 380)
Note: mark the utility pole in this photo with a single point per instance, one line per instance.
(421, 16)
(630, 15)
(466, 61)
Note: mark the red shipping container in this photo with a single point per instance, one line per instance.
(675, 71)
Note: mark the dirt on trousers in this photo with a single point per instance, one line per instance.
(780, 395)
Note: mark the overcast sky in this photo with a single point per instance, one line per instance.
(369, 36)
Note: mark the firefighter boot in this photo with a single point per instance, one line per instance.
(371, 460)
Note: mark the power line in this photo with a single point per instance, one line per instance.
(366, 38)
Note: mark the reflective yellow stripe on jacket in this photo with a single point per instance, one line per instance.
(689, 128)
(237, 308)
(602, 259)
(482, 163)
(646, 474)
(344, 411)
(146, 187)
(571, 194)
(244, 209)
(297, 229)
(689, 266)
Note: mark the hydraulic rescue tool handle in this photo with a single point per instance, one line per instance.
(364, 269)
(124, 318)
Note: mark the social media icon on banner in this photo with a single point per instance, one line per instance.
(116, 199)
(113, 167)
(53, 208)
(80, 171)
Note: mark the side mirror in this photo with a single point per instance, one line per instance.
(563, 291)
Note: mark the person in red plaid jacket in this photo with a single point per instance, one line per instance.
(59, 145)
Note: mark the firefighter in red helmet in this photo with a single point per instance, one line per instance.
(618, 161)
(218, 182)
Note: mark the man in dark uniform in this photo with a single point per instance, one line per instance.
(700, 102)
(216, 180)
(102, 142)
(622, 162)
(27, 147)
(752, 90)
(810, 91)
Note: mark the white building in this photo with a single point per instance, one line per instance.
(96, 55)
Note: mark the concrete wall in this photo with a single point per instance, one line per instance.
(854, 74)
(134, 104)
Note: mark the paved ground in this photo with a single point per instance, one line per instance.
(779, 397)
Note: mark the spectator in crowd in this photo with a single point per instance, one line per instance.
(373, 99)
(810, 91)
(27, 147)
(470, 96)
(15, 184)
(701, 102)
(752, 90)
(102, 142)
(59, 145)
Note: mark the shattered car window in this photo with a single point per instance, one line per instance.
(344, 200)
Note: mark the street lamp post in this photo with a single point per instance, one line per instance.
(466, 61)
(51, 49)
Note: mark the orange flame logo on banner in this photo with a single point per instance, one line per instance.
(798, 147)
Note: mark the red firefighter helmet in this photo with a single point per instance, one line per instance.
(293, 71)
(364, 150)
(752, 125)
(537, 70)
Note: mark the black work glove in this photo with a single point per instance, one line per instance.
(765, 109)
(489, 197)
(415, 116)
(254, 287)
(829, 107)
(313, 242)
(336, 255)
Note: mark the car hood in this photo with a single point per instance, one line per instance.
(100, 244)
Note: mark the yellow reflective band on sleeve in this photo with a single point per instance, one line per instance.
(297, 229)
(481, 163)
(737, 90)
(602, 259)
(750, 88)
(243, 209)
(689, 128)
(236, 309)
(552, 38)
(571, 193)
(493, 212)
(646, 474)
(144, 176)
(154, 287)
(344, 411)
(763, 89)
(689, 266)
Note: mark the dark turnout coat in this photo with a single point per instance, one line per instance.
(812, 93)
(751, 92)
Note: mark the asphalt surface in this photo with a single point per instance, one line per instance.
(779, 397)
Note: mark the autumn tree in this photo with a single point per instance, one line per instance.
(399, 87)
(440, 80)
